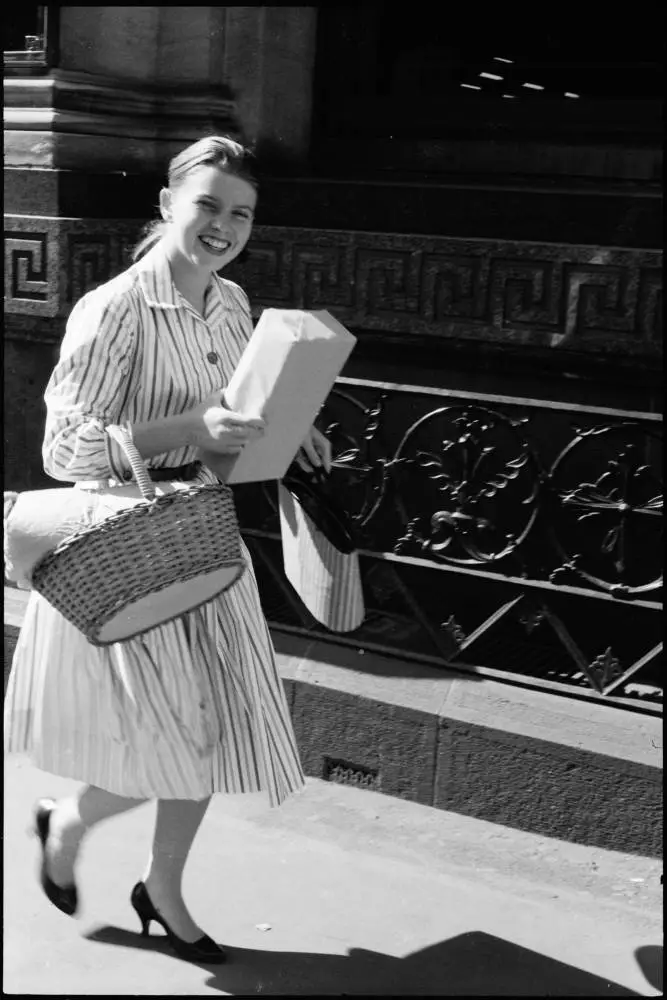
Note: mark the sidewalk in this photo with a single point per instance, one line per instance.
(339, 892)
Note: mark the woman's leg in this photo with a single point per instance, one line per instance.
(71, 819)
(176, 826)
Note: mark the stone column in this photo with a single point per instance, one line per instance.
(133, 85)
(269, 57)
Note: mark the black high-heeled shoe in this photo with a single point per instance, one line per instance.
(64, 897)
(202, 950)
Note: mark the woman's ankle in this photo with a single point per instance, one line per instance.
(163, 883)
(65, 825)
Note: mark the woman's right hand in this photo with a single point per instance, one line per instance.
(214, 428)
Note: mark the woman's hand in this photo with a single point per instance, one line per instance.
(315, 451)
(210, 426)
(214, 428)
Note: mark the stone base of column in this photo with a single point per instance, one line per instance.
(78, 121)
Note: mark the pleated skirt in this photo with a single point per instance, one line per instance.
(192, 708)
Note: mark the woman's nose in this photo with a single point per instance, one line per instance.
(223, 222)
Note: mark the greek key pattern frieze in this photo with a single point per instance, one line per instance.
(28, 269)
(546, 295)
(582, 298)
(51, 263)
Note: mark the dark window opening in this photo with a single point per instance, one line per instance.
(439, 54)
(30, 38)
(24, 28)
(384, 75)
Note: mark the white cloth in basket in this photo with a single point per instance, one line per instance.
(37, 521)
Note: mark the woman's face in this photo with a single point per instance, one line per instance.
(210, 215)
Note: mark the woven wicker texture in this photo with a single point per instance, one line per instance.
(100, 573)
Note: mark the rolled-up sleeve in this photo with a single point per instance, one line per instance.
(88, 390)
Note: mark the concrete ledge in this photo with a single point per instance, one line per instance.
(531, 760)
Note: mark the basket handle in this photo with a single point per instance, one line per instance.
(123, 437)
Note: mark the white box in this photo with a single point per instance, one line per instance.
(285, 375)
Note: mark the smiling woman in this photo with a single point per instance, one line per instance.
(232, 161)
(209, 219)
(217, 209)
(195, 706)
(207, 209)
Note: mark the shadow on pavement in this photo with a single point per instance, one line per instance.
(472, 964)
(650, 961)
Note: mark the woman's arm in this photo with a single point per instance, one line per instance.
(156, 437)
(87, 389)
(208, 426)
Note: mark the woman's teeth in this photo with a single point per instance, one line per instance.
(215, 246)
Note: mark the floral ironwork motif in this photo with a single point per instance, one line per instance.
(608, 496)
(353, 432)
(605, 668)
(479, 487)
(618, 515)
(454, 629)
(469, 485)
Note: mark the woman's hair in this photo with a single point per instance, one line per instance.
(214, 150)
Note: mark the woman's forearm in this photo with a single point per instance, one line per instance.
(208, 426)
(156, 437)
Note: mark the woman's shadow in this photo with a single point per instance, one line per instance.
(472, 964)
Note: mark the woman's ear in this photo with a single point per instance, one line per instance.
(165, 204)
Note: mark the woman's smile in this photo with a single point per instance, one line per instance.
(216, 245)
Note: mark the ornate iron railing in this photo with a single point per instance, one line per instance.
(516, 537)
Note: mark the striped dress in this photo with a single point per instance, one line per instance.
(195, 706)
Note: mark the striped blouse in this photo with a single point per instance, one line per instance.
(134, 351)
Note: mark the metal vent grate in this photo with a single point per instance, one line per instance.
(343, 773)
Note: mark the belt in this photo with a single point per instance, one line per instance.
(184, 473)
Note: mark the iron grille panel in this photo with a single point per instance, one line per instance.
(518, 537)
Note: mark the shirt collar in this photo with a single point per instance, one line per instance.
(160, 292)
(155, 280)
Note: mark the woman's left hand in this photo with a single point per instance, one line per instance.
(316, 450)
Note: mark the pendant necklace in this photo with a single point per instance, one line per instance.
(212, 356)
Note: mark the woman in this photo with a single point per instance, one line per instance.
(196, 706)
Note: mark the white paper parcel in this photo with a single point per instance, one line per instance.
(285, 375)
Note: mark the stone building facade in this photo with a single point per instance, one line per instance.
(490, 228)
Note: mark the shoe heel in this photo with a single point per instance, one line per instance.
(203, 950)
(143, 908)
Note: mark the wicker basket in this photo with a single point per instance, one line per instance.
(146, 565)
